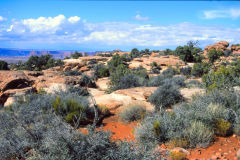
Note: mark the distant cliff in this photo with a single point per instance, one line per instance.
(5, 52)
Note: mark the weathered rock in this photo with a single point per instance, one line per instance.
(103, 83)
(222, 45)
(235, 48)
(56, 87)
(145, 62)
(12, 82)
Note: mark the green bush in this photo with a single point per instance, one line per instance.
(100, 70)
(115, 62)
(3, 65)
(134, 53)
(193, 84)
(87, 81)
(214, 54)
(199, 134)
(76, 55)
(199, 69)
(178, 142)
(186, 71)
(194, 121)
(221, 79)
(38, 63)
(177, 155)
(157, 129)
(189, 52)
(126, 81)
(165, 96)
(133, 112)
(222, 127)
(72, 73)
(120, 71)
(169, 72)
(140, 71)
(32, 130)
(155, 68)
(71, 108)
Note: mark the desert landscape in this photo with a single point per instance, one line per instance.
(119, 80)
(169, 104)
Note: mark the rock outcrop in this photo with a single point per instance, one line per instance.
(222, 45)
(163, 61)
(235, 48)
(15, 83)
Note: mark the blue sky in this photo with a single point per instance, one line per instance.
(107, 25)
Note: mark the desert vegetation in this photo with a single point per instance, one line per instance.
(140, 89)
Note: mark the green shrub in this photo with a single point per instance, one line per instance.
(71, 107)
(72, 73)
(199, 69)
(126, 81)
(165, 96)
(214, 54)
(133, 112)
(115, 62)
(76, 55)
(199, 134)
(100, 70)
(178, 142)
(222, 127)
(103, 110)
(189, 52)
(221, 79)
(177, 155)
(86, 81)
(38, 63)
(140, 71)
(32, 130)
(155, 68)
(193, 84)
(134, 53)
(169, 72)
(186, 71)
(157, 129)
(3, 65)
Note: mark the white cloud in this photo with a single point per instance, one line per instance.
(62, 30)
(225, 13)
(74, 19)
(141, 18)
(2, 18)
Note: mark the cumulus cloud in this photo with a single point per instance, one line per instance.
(73, 30)
(141, 18)
(226, 13)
